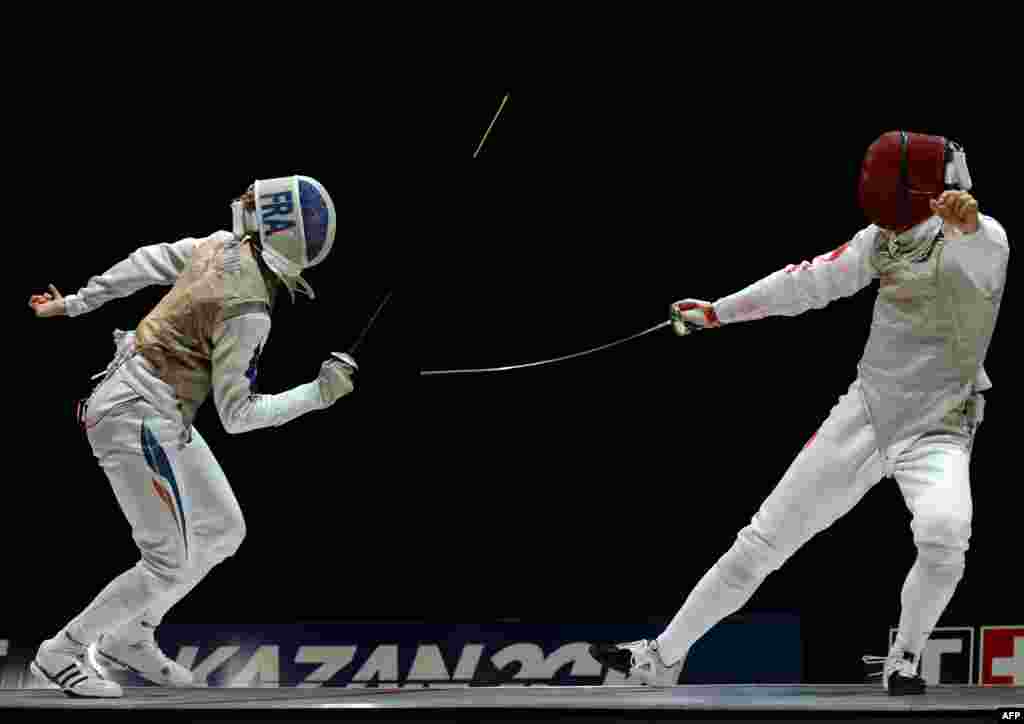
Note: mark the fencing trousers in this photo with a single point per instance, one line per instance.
(830, 475)
(184, 517)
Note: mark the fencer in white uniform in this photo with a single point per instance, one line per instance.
(910, 414)
(206, 335)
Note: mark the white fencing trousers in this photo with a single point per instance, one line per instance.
(184, 516)
(829, 476)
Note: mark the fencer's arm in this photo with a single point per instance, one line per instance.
(990, 233)
(236, 347)
(808, 285)
(980, 259)
(148, 265)
(986, 251)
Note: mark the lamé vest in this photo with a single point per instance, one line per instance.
(933, 321)
(222, 280)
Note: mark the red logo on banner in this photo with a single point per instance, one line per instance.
(1002, 656)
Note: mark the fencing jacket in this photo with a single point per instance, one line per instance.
(938, 298)
(206, 334)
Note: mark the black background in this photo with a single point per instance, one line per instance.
(596, 489)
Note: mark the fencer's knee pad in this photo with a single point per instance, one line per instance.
(221, 539)
(167, 569)
(942, 539)
(232, 538)
(751, 558)
(941, 560)
(165, 554)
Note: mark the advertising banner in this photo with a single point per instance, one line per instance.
(743, 649)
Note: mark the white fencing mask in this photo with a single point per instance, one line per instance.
(296, 221)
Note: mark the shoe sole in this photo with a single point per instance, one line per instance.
(906, 688)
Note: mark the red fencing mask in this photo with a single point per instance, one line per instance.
(902, 172)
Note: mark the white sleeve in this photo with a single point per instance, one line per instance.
(155, 264)
(983, 256)
(808, 285)
(981, 261)
(237, 346)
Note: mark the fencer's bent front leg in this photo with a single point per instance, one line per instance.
(218, 526)
(216, 532)
(164, 565)
(183, 516)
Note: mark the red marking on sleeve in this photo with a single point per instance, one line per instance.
(831, 256)
(838, 252)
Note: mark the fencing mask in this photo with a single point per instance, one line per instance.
(903, 171)
(296, 222)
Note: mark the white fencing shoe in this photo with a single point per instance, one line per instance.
(62, 664)
(143, 658)
(641, 659)
(899, 672)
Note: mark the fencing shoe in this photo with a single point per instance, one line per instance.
(899, 672)
(143, 658)
(641, 659)
(62, 663)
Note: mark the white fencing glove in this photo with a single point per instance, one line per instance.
(336, 377)
(691, 315)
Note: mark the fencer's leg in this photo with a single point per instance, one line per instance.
(829, 476)
(935, 480)
(142, 627)
(152, 503)
(216, 532)
(133, 646)
(138, 453)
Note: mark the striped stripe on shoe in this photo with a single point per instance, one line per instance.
(77, 681)
(74, 675)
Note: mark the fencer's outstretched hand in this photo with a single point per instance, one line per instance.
(957, 208)
(47, 305)
(336, 377)
(691, 315)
